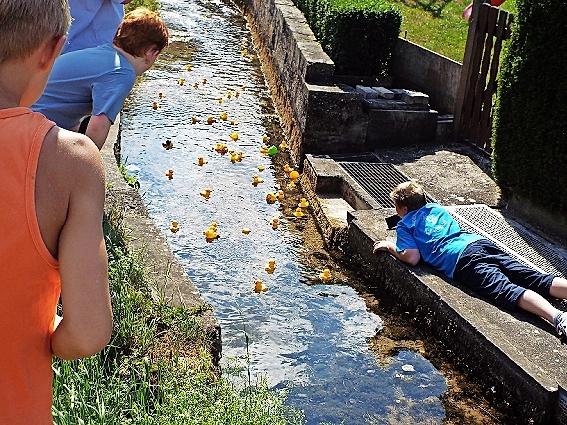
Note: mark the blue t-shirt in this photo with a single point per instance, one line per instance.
(92, 81)
(94, 23)
(436, 235)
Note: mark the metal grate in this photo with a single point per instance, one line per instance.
(511, 237)
(378, 179)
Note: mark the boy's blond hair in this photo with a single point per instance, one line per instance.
(25, 24)
(409, 194)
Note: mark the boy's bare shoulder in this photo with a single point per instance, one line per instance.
(72, 157)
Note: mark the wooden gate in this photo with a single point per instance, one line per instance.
(489, 26)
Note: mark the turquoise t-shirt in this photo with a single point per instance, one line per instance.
(92, 81)
(436, 235)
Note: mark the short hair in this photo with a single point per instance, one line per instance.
(409, 194)
(25, 24)
(140, 30)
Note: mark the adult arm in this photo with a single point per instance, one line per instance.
(86, 325)
(409, 256)
(98, 128)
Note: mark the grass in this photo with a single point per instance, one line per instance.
(438, 24)
(157, 368)
(150, 4)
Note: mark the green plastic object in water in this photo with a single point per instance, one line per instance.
(272, 150)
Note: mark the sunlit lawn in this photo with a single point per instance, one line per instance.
(438, 24)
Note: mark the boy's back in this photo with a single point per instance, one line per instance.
(31, 281)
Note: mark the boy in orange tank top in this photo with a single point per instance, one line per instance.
(52, 243)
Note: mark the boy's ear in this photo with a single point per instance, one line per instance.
(52, 49)
(151, 55)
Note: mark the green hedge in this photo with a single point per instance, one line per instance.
(358, 35)
(530, 128)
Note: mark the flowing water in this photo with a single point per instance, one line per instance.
(302, 334)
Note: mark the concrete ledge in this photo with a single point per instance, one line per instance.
(161, 266)
(517, 355)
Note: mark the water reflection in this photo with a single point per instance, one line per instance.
(310, 337)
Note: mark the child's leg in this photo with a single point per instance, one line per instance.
(558, 288)
(536, 304)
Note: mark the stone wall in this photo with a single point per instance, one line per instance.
(421, 69)
(316, 115)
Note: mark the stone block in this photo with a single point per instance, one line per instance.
(383, 92)
(393, 105)
(366, 92)
(411, 97)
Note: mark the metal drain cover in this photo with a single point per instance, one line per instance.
(512, 237)
(378, 179)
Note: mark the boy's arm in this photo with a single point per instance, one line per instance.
(410, 256)
(87, 315)
(98, 128)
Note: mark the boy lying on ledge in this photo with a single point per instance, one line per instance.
(428, 231)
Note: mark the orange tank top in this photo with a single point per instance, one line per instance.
(29, 276)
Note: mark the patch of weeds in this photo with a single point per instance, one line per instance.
(131, 180)
(150, 4)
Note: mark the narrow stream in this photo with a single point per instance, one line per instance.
(303, 334)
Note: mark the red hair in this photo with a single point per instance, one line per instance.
(140, 30)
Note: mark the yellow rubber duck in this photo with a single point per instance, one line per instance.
(303, 203)
(167, 145)
(283, 145)
(270, 198)
(206, 193)
(223, 116)
(266, 139)
(194, 120)
(221, 148)
(233, 122)
(181, 81)
(234, 136)
(174, 226)
(259, 287)
(298, 213)
(261, 168)
(244, 52)
(294, 175)
(275, 222)
(237, 94)
(201, 161)
(211, 120)
(287, 169)
(155, 105)
(210, 234)
(326, 275)
(196, 85)
(246, 230)
(188, 67)
(234, 157)
(256, 180)
(240, 155)
(220, 100)
(271, 266)
(169, 174)
(280, 195)
(204, 81)
(229, 95)
(160, 95)
(264, 150)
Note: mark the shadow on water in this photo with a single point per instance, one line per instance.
(321, 340)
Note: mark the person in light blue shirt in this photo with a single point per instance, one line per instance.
(94, 22)
(95, 82)
(427, 231)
